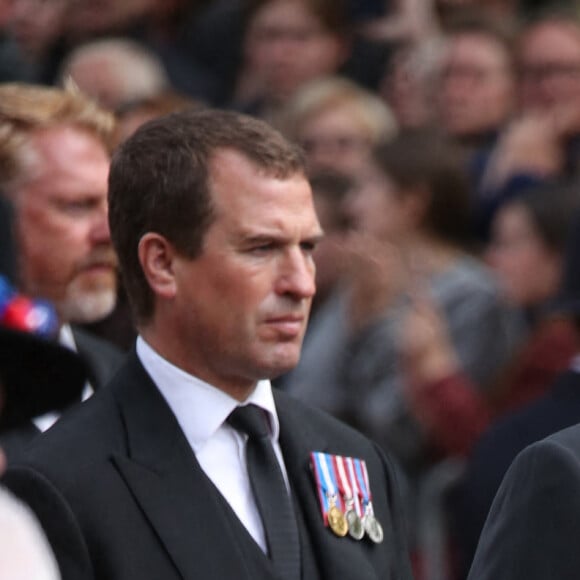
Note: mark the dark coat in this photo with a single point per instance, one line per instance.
(120, 494)
(534, 524)
(492, 456)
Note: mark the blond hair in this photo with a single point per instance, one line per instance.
(373, 114)
(25, 109)
(128, 71)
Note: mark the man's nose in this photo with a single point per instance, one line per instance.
(100, 232)
(297, 275)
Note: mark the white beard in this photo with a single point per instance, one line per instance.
(84, 306)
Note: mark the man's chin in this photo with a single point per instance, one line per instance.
(88, 307)
(282, 364)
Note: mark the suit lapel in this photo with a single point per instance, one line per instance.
(336, 557)
(168, 483)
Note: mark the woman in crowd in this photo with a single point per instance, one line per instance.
(338, 123)
(526, 253)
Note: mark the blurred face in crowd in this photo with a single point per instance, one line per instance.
(64, 242)
(528, 270)
(406, 88)
(375, 206)
(287, 46)
(335, 139)
(241, 307)
(477, 85)
(36, 24)
(329, 253)
(549, 61)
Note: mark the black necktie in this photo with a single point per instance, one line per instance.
(270, 491)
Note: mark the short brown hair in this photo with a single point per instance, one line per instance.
(159, 182)
(332, 14)
(425, 158)
(25, 109)
(480, 24)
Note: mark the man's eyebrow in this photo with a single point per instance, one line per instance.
(249, 237)
(316, 237)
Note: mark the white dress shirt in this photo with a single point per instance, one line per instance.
(201, 411)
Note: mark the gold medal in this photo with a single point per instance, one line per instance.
(337, 521)
(355, 526)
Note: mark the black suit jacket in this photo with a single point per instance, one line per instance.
(120, 494)
(533, 528)
(102, 359)
(498, 447)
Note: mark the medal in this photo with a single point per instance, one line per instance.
(346, 484)
(350, 511)
(332, 513)
(336, 520)
(355, 525)
(371, 525)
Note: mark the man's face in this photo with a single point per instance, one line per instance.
(477, 86)
(241, 307)
(36, 24)
(550, 67)
(335, 139)
(375, 207)
(64, 241)
(287, 46)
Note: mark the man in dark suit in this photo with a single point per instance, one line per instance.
(54, 162)
(534, 521)
(493, 455)
(212, 218)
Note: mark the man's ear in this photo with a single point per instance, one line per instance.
(157, 255)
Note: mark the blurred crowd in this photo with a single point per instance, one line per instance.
(442, 139)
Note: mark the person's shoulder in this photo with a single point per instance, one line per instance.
(555, 458)
(566, 440)
(89, 341)
(102, 357)
(534, 514)
(470, 272)
(82, 439)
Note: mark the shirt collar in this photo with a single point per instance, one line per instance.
(200, 408)
(66, 337)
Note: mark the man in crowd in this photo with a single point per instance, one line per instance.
(54, 163)
(213, 221)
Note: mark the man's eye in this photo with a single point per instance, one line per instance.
(76, 207)
(262, 248)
